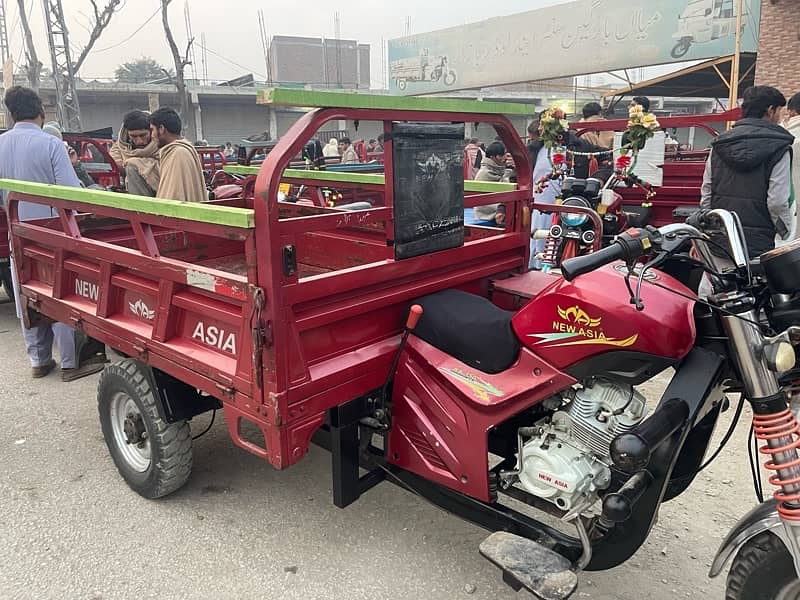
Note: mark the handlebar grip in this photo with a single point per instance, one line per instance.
(572, 267)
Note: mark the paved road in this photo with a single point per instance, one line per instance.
(71, 529)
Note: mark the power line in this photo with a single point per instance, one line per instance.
(127, 39)
(235, 64)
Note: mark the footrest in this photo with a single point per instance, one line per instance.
(525, 563)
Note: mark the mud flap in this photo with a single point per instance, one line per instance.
(526, 564)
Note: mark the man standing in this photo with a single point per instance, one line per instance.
(136, 154)
(749, 171)
(592, 113)
(348, 153)
(181, 170)
(493, 168)
(792, 125)
(29, 154)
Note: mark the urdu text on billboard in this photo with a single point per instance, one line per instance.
(587, 36)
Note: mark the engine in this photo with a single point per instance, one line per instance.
(566, 458)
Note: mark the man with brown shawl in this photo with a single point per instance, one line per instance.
(181, 170)
(136, 154)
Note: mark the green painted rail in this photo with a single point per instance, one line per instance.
(317, 99)
(193, 211)
(362, 178)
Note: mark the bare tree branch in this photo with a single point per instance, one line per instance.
(180, 64)
(34, 65)
(101, 20)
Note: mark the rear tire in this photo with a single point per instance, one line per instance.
(762, 570)
(154, 457)
(681, 48)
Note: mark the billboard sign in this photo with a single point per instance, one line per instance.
(576, 38)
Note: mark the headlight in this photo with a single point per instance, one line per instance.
(574, 219)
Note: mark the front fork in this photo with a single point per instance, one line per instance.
(774, 423)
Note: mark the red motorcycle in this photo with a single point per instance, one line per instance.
(595, 218)
(540, 405)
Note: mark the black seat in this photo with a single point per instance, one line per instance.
(469, 328)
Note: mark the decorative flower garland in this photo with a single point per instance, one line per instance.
(554, 127)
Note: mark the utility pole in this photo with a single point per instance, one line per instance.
(262, 26)
(69, 110)
(4, 53)
(190, 36)
(733, 98)
(337, 34)
(8, 77)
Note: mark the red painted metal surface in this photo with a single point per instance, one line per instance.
(592, 315)
(96, 159)
(683, 170)
(190, 298)
(442, 411)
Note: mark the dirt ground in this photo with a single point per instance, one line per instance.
(71, 529)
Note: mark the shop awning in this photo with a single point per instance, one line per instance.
(709, 79)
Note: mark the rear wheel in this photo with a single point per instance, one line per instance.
(762, 570)
(154, 457)
(681, 48)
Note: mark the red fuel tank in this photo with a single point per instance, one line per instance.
(573, 321)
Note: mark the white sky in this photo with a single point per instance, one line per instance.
(231, 28)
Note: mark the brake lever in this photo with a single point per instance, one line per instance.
(636, 299)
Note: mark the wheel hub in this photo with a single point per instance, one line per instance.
(135, 431)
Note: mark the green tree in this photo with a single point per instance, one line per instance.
(143, 70)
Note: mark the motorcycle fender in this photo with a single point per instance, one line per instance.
(763, 517)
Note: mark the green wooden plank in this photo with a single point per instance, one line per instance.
(240, 170)
(317, 99)
(363, 178)
(193, 211)
(488, 186)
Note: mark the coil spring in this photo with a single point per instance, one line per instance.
(773, 427)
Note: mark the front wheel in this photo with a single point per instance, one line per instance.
(450, 78)
(762, 570)
(154, 457)
(681, 48)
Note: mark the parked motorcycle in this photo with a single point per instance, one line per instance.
(599, 216)
(540, 405)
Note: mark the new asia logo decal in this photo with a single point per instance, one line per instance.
(574, 327)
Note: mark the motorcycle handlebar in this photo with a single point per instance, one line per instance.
(572, 267)
(628, 246)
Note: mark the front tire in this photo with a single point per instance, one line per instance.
(762, 570)
(154, 457)
(450, 78)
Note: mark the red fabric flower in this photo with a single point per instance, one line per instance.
(623, 162)
(559, 158)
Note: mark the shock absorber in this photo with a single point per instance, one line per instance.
(781, 433)
(550, 254)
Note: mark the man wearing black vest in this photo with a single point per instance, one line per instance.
(749, 171)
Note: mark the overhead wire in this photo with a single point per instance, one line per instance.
(131, 36)
(235, 64)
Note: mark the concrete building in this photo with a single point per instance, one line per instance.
(779, 46)
(320, 62)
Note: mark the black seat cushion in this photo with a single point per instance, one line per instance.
(469, 328)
